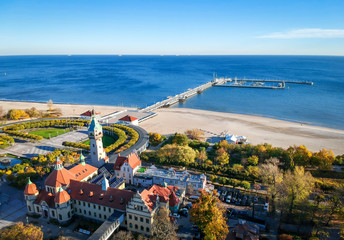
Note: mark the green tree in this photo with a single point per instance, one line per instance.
(177, 154)
(253, 160)
(296, 186)
(180, 139)
(222, 156)
(21, 232)
(209, 216)
(162, 227)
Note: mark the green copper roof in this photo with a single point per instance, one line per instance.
(94, 125)
(82, 159)
(29, 181)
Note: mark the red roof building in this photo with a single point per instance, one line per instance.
(89, 113)
(126, 167)
(163, 193)
(30, 188)
(133, 160)
(61, 196)
(129, 120)
(93, 193)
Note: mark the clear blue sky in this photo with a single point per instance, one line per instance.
(172, 27)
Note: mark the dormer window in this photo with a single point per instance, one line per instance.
(81, 192)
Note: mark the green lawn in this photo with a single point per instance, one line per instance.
(107, 141)
(52, 132)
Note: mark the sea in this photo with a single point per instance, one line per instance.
(138, 81)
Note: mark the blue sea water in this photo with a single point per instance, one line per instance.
(138, 81)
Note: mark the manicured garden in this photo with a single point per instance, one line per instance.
(49, 132)
(107, 140)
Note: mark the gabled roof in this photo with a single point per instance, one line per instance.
(93, 193)
(30, 188)
(46, 197)
(61, 196)
(133, 160)
(128, 118)
(88, 113)
(149, 196)
(59, 177)
(81, 171)
(173, 200)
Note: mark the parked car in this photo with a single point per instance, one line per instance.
(188, 206)
(266, 206)
(175, 215)
(228, 199)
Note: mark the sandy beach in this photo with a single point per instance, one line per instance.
(257, 129)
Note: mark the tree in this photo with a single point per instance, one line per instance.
(209, 216)
(50, 105)
(323, 159)
(271, 175)
(195, 134)
(21, 232)
(296, 186)
(155, 139)
(177, 154)
(180, 139)
(123, 235)
(15, 114)
(253, 160)
(222, 156)
(162, 227)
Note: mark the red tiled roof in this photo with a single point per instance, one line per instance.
(113, 197)
(149, 196)
(82, 171)
(62, 197)
(46, 197)
(173, 200)
(58, 178)
(133, 160)
(128, 118)
(88, 113)
(30, 189)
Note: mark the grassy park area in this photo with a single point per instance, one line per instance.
(107, 141)
(50, 132)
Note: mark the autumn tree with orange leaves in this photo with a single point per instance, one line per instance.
(209, 216)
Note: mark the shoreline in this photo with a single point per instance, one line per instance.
(258, 129)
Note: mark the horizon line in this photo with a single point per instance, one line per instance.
(162, 55)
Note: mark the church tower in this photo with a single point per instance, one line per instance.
(95, 134)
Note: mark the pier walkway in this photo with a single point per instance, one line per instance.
(265, 80)
(183, 96)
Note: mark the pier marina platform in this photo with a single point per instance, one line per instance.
(147, 112)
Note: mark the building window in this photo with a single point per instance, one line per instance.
(84, 204)
(94, 206)
(147, 229)
(142, 228)
(130, 225)
(109, 209)
(89, 213)
(136, 227)
(79, 210)
(104, 208)
(99, 207)
(135, 218)
(141, 219)
(85, 212)
(68, 214)
(104, 216)
(100, 216)
(89, 205)
(129, 215)
(147, 220)
(95, 214)
(37, 208)
(53, 213)
(60, 216)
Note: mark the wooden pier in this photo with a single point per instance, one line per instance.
(220, 82)
(183, 96)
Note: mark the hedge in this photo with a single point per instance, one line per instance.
(24, 135)
(76, 145)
